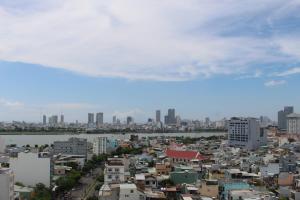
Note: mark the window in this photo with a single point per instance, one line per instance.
(131, 191)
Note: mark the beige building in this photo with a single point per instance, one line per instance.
(293, 123)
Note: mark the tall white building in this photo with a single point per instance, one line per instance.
(293, 123)
(100, 145)
(246, 133)
(6, 184)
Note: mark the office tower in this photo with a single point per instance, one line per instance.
(6, 183)
(129, 120)
(118, 121)
(207, 122)
(91, 119)
(246, 133)
(171, 116)
(282, 117)
(44, 120)
(157, 116)
(293, 123)
(53, 120)
(114, 119)
(62, 119)
(166, 119)
(99, 119)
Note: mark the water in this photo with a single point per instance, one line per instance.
(41, 139)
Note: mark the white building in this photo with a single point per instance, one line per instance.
(246, 133)
(100, 145)
(293, 123)
(30, 169)
(130, 192)
(6, 184)
(114, 171)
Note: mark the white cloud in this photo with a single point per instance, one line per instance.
(274, 83)
(292, 71)
(10, 104)
(164, 40)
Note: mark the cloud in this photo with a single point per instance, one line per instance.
(292, 71)
(153, 40)
(274, 83)
(133, 113)
(10, 104)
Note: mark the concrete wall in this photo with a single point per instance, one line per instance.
(29, 169)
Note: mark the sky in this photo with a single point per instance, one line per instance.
(130, 57)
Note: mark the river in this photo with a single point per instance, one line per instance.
(41, 139)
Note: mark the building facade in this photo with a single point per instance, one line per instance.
(293, 123)
(31, 169)
(282, 117)
(6, 184)
(157, 116)
(246, 133)
(99, 119)
(74, 146)
(114, 171)
(100, 145)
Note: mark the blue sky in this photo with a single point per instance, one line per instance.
(131, 57)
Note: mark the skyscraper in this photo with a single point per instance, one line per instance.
(62, 119)
(282, 117)
(99, 119)
(114, 119)
(158, 116)
(44, 119)
(170, 118)
(91, 119)
(129, 120)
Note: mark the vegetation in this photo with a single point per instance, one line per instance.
(19, 184)
(41, 192)
(93, 163)
(120, 151)
(68, 182)
(167, 183)
(92, 198)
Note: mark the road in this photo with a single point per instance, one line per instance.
(86, 186)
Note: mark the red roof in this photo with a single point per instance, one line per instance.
(184, 154)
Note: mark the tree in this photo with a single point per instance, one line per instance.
(41, 192)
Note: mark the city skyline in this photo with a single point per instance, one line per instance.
(130, 58)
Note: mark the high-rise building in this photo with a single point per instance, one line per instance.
(53, 120)
(170, 118)
(91, 119)
(293, 123)
(282, 117)
(246, 133)
(207, 122)
(44, 119)
(62, 119)
(157, 116)
(6, 184)
(100, 145)
(114, 119)
(129, 120)
(99, 119)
